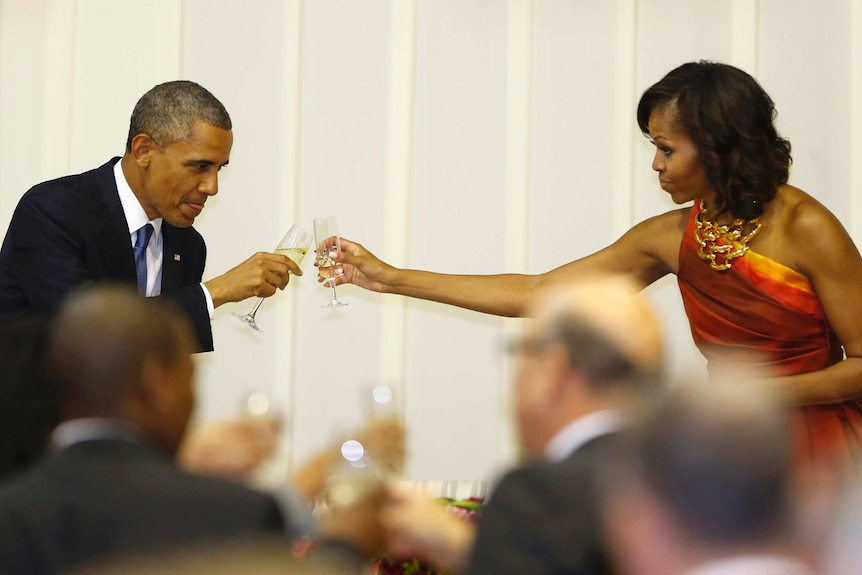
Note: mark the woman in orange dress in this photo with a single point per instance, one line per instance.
(769, 277)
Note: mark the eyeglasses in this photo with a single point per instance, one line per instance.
(526, 345)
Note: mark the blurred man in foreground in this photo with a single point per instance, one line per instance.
(591, 354)
(124, 368)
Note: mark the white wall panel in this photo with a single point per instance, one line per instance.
(112, 68)
(810, 82)
(345, 89)
(59, 72)
(457, 216)
(573, 146)
(22, 57)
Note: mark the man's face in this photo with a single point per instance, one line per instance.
(529, 394)
(179, 178)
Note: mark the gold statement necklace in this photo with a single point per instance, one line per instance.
(721, 243)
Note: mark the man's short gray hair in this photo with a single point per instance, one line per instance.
(169, 112)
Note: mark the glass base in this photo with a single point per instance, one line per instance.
(247, 319)
(335, 303)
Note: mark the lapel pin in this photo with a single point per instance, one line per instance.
(176, 257)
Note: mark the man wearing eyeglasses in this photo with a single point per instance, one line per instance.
(592, 353)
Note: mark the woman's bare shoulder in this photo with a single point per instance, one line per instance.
(803, 215)
(663, 227)
(815, 233)
(657, 238)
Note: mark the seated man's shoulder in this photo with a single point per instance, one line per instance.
(66, 191)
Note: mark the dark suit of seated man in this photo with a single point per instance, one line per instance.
(109, 486)
(81, 229)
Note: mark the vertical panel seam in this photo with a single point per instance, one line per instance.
(744, 28)
(624, 136)
(517, 160)
(856, 120)
(399, 156)
(291, 130)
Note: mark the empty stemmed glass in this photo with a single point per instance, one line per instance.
(383, 412)
(263, 419)
(294, 245)
(328, 248)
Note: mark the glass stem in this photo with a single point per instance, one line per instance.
(332, 288)
(254, 311)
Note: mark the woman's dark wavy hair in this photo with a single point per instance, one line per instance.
(730, 119)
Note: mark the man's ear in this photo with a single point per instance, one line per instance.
(152, 393)
(143, 147)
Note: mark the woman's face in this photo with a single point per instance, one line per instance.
(677, 160)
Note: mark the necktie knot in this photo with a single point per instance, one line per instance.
(140, 251)
(144, 235)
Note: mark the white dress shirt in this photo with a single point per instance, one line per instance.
(765, 564)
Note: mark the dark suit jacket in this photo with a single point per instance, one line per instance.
(72, 231)
(106, 496)
(543, 519)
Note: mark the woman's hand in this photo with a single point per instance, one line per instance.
(362, 268)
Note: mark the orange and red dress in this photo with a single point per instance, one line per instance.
(765, 315)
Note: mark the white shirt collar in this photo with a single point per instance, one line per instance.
(765, 564)
(580, 431)
(136, 217)
(89, 428)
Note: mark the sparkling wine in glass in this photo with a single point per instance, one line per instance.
(295, 245)
(328, 247)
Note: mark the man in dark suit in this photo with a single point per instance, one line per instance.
(591, 353)
(109, 486)
(130, 219)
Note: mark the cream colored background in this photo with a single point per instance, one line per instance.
(455, 135)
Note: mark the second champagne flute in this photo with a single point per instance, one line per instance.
(294, 245)
(328, 247)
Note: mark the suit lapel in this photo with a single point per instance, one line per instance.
(113, 231)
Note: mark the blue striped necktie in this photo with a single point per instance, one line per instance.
(140, 251)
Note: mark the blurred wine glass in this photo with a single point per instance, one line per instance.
(383, 434)
(264, 419)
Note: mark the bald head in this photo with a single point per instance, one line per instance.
(594, 345)
(611, 307)
(108, 343)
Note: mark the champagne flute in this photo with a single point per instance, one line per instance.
(294, 245)
(383, 407)
(328, 247)
(264, 420)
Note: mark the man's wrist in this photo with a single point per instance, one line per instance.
(215, 293)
